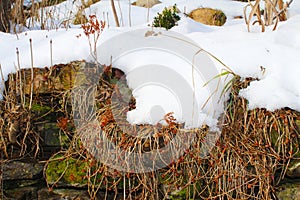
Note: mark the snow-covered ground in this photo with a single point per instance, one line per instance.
(272, 56)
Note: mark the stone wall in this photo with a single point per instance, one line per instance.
(36, 124)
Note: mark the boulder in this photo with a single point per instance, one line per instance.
(16, 170)
(74, 194)
(21, 193)
(146, 3)
(63, 194)
(208, 16)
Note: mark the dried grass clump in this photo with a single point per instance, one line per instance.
(274, 10)
(44, 15)
(32, 98)
(133, 138)
(248, 161)
(254, 151)
(18, 137)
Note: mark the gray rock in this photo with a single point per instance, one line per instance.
(71, 194)
(16, 170)
(25, 193)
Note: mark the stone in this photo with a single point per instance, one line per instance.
(289, 191)
(25, 193)
(74, 194)
(208, 16)
(58, 78)
(294, 170)
(16, 170)
(50, 134)
(46, 194)
(12, 184)
(146, 3)
(63, 194)
(50, 87)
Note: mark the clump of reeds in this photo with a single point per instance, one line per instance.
(274, 10)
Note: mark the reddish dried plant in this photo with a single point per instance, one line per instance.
(95, 28)
(62, 123)
(170, 119)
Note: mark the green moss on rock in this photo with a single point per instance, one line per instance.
(66, 171)
(40, 109)
(179, 194)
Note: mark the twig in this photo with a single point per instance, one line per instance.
(115, 13)
(254, 10)
(3, 81)
(107, 20)
(148, 11)
(287, 5)
(51, 53)
(121, 15)
(129, 13)
(32, 74)
(20, 78)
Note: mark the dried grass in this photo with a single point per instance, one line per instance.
(39, 15)
(274, 10)
(248, 161)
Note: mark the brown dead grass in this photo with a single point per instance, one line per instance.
(248, 161)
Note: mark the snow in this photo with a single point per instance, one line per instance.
(28, 3)
(272, 56)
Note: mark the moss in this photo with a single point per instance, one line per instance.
(70, 170)
(76, 172)
(64, 140)
(179, 195)
(185, 193)
(41, 109)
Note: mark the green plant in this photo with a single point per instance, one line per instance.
(167, 19)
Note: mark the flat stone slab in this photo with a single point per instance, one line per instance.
(16, 170)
